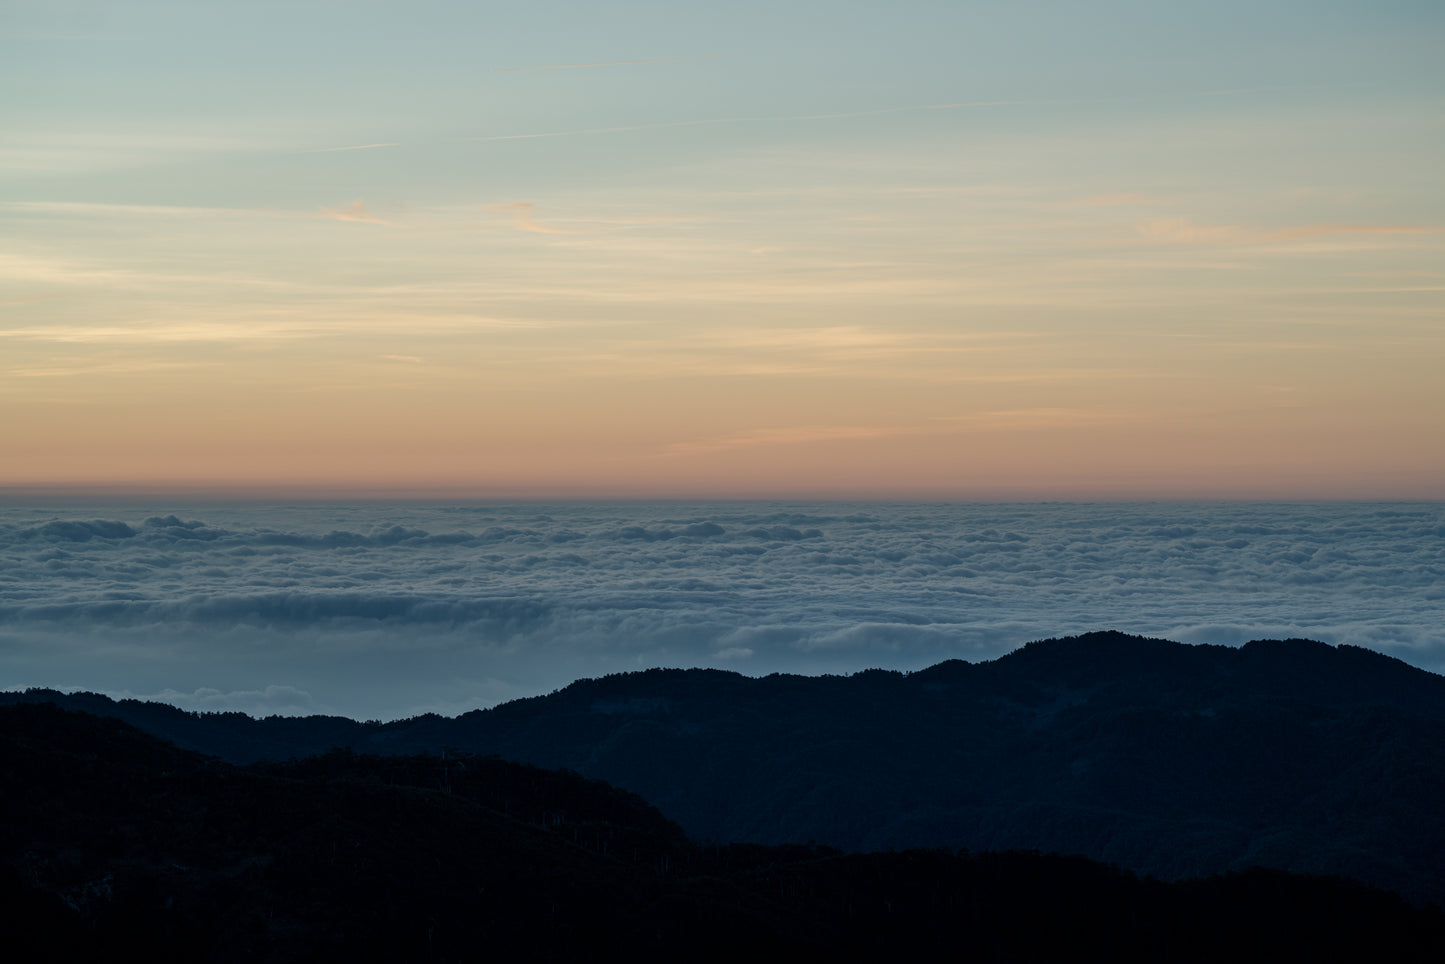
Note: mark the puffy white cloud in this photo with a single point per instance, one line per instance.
(381, 611)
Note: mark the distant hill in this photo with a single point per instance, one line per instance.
(1169, 760)
(117, 846)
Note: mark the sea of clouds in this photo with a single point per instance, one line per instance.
(388, 610)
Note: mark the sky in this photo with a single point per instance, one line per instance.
(915, 250)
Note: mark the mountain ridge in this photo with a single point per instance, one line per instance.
(1167, 759)
(117, 845)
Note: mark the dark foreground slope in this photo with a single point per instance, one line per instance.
(1170, 760)
(114, 845)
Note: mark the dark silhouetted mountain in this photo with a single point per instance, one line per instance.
(1170, 760)
(117, 846)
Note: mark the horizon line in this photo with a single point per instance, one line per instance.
(138, 493)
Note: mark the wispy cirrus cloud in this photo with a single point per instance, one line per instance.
(999, 420)
(26, 300)
(112, 368)
(1323, 230)
(355, 211)
(1111, 200)
(799, 435)
(753, 119)
(829, 337)
(1185, 231)
(50, 152)
(26, 269)
(1034, 418)
(247, 330)
(521, 212)
(94, 209)
(29, 269)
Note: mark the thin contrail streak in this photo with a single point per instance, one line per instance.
(601, 63)
(355, 147)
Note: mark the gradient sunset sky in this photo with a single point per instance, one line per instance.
(954, 250)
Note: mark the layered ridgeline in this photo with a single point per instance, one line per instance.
(1169, 760)
(117, 846)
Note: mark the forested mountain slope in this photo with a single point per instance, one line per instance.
(1166, 759)
(116, 846)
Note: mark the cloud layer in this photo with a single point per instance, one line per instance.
(382, 611)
